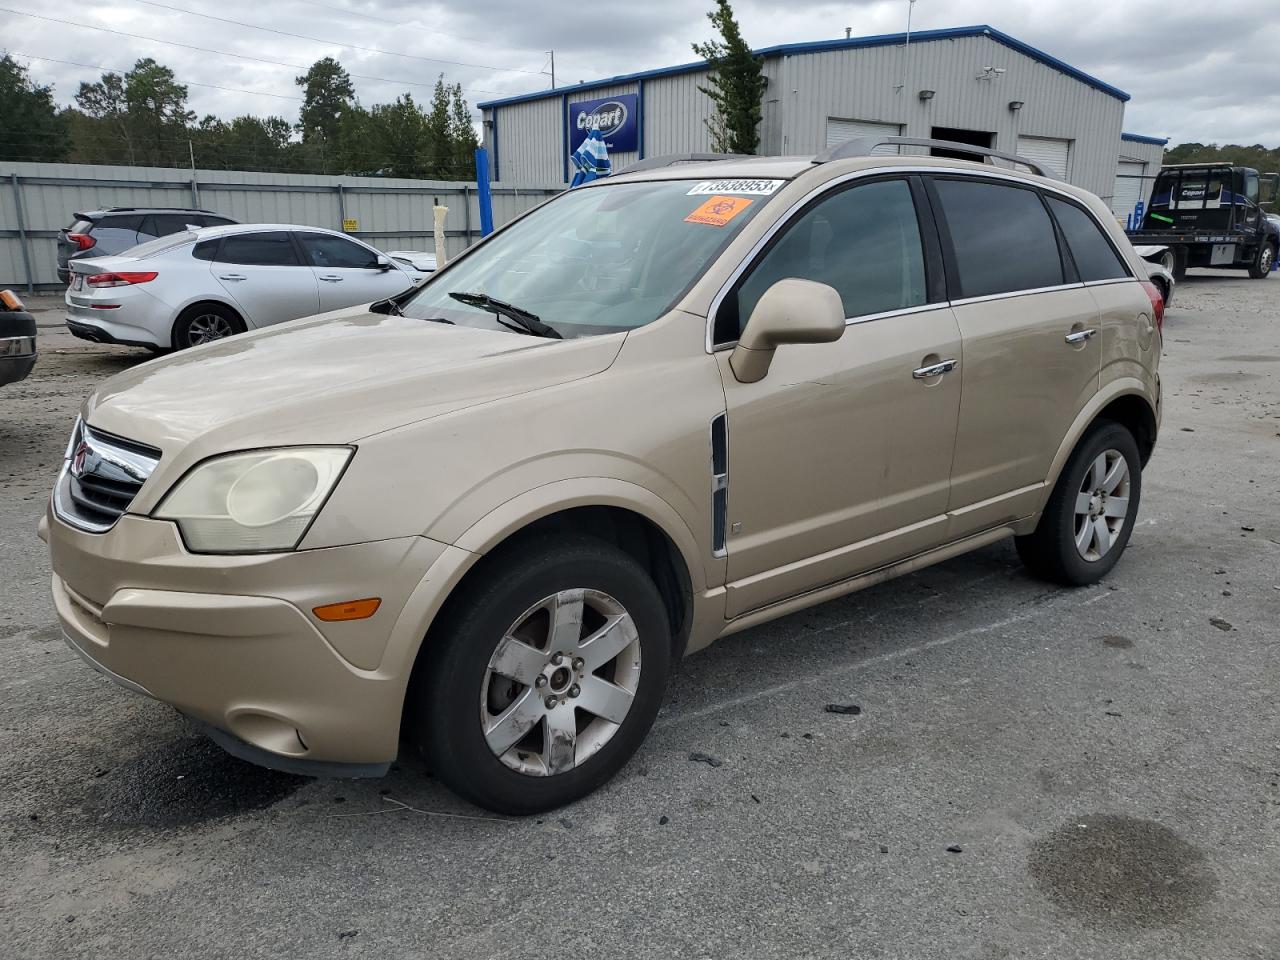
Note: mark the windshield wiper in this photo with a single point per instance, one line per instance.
(523, 320)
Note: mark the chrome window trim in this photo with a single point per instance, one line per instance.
(1009, 294)
(784, 219)
(1103, 283)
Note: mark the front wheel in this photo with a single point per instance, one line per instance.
(1265, 259)
(545, 676)
(1090, 514)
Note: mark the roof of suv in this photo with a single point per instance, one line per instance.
(106, 211)
(788, 168)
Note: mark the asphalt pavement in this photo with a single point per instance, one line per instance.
(1032, 771)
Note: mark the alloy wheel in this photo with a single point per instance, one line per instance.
(1102, 504)
(560, 682)
(208, 327)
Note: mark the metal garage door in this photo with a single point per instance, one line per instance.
(838, 131)
(1050, 152)
(1128, 190)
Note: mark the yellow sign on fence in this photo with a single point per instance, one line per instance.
(350, 226)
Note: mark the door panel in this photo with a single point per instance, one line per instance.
(1023, 386)
(839, 459)
(262, 273)
(347, 273)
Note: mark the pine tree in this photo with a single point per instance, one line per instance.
(462, 136)
(737, 84)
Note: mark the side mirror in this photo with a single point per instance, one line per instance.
(384, 263)
(791, 311)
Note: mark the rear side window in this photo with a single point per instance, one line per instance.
(325, 250)
(1095, 257)
(1002, 238)
(167, 223)
(120, 221)
(270, 249)
(863, 241)
(205, 250)
(211, 221)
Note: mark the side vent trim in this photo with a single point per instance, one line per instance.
(719, 485)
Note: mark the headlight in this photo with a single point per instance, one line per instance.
(253, 502)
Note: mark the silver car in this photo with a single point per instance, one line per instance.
(201, 285)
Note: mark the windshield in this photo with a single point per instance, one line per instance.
(598, 259)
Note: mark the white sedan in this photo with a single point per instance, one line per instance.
(202, 285)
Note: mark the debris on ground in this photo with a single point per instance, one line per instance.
(955, 848)
(1221, 624)
(706, 758)
(852, 709)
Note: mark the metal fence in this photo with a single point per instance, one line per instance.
(38, 199)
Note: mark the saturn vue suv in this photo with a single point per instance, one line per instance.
(487, 516)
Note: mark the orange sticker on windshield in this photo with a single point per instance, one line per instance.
(718, 211)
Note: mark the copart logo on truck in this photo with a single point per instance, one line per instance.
(608, 118)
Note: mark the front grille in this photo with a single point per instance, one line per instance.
(100, 477)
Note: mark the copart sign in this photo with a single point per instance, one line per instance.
(617, 119)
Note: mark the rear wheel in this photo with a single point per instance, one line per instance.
(545, 676)
(1263, 261)
(1090, 514)
(204, 323)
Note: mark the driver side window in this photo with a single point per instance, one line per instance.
(863, 240)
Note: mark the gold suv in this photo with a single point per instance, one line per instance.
(488, 515)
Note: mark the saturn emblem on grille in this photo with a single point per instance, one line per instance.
(78, 459)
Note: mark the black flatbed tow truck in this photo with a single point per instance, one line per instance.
(1213, 215)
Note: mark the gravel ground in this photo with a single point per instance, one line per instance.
(1035, 772)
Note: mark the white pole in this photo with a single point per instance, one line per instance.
(906, 47)
(441, 255)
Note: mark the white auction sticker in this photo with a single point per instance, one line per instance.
(760, 188)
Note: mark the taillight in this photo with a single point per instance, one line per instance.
(1157, 303)
(120, 279)
(81, 240)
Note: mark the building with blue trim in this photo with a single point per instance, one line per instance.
(974, 84)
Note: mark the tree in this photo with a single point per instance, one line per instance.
(462, 136)
(30, 126)
(143, 114)
(737, 84)
(436, 149)
(327, 93)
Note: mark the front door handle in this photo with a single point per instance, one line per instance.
(934, 369)
(331, 278)
(1080, 336)
(231, 276)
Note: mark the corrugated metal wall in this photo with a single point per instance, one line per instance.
(392, 213)
(530, 138)
(1151, 156)
(869, 84)
(863, 84)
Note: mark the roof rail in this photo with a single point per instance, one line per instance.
(862, 147)
(671, 159)
(159, 207)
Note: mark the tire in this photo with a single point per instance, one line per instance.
(1052, 552)
(468, 705)
(1179, 264)
(1260, 269)
(204, 323)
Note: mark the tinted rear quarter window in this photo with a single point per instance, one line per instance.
(273, 248)
(120, 221)
(1002, 238)
(167, 223)
(205, 250)
(1095, 257)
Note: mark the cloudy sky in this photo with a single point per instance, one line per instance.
(1203, 71)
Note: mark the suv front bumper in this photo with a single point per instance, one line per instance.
(231, 641)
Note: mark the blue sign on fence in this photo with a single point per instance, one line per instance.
(617, 119)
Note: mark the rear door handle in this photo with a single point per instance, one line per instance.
(231, 276)
(1080, 336)
(331, 278)
(934, 369)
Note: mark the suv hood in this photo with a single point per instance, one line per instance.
(331, 379)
